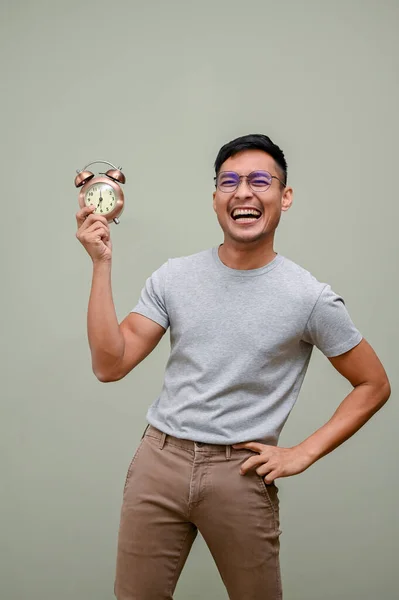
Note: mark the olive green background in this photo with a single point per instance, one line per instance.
(158, 87)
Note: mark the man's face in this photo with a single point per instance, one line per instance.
(270, 202)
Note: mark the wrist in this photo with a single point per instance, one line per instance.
(102, 264)
(308, 453)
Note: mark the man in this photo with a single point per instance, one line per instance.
(243, 323)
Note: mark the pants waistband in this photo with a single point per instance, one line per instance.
(153, 432)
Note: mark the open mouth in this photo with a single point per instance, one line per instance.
(247, 215)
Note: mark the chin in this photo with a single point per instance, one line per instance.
(245, 237)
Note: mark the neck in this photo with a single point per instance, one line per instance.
(246, 257)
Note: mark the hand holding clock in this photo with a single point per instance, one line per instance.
(94, 234)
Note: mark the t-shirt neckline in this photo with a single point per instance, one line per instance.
(245, 272)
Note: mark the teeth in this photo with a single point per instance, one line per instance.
(245, 211)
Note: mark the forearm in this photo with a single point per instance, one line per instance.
(105, 338)
(355, 410)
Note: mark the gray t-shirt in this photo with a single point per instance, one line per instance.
(241, 341)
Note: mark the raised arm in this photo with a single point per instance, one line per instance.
(115, 348)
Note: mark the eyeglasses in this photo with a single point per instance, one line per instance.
(258, 181)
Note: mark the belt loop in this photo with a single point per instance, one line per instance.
(162, 441)
(228, 452)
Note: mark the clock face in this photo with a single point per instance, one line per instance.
(102, 195)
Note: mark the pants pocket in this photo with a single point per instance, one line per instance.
(270, 493)
(130, 469)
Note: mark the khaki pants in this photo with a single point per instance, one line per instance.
(174, 488)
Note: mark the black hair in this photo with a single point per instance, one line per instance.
(254, 141)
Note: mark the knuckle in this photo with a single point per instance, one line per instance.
(97, 219)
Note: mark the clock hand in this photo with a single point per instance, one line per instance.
(100, 199)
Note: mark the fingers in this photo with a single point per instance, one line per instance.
(83, 213)
(86, 217)
(255, 446)
(263, 470)
(94, 233)
(96, 227)
(251, 463)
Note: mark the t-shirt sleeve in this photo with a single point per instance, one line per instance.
(330, 326)
(152, 302)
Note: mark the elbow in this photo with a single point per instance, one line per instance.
(108, 377)
(110, 371)
(103, 372)
(382, 393)
(103, 378)
(386, 391)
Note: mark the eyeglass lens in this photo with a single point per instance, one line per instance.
(258, 180)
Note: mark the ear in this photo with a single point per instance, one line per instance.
(214, 201)
(287, 198)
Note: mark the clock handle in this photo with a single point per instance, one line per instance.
(100, 161)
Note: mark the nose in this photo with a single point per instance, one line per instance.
(243, 190)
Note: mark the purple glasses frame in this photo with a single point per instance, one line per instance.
(240, 177)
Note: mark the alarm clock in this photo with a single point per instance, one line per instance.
(103, 191)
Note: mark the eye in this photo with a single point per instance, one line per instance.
(260, 180)
(228, 179)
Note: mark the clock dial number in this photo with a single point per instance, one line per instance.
(102, 196)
